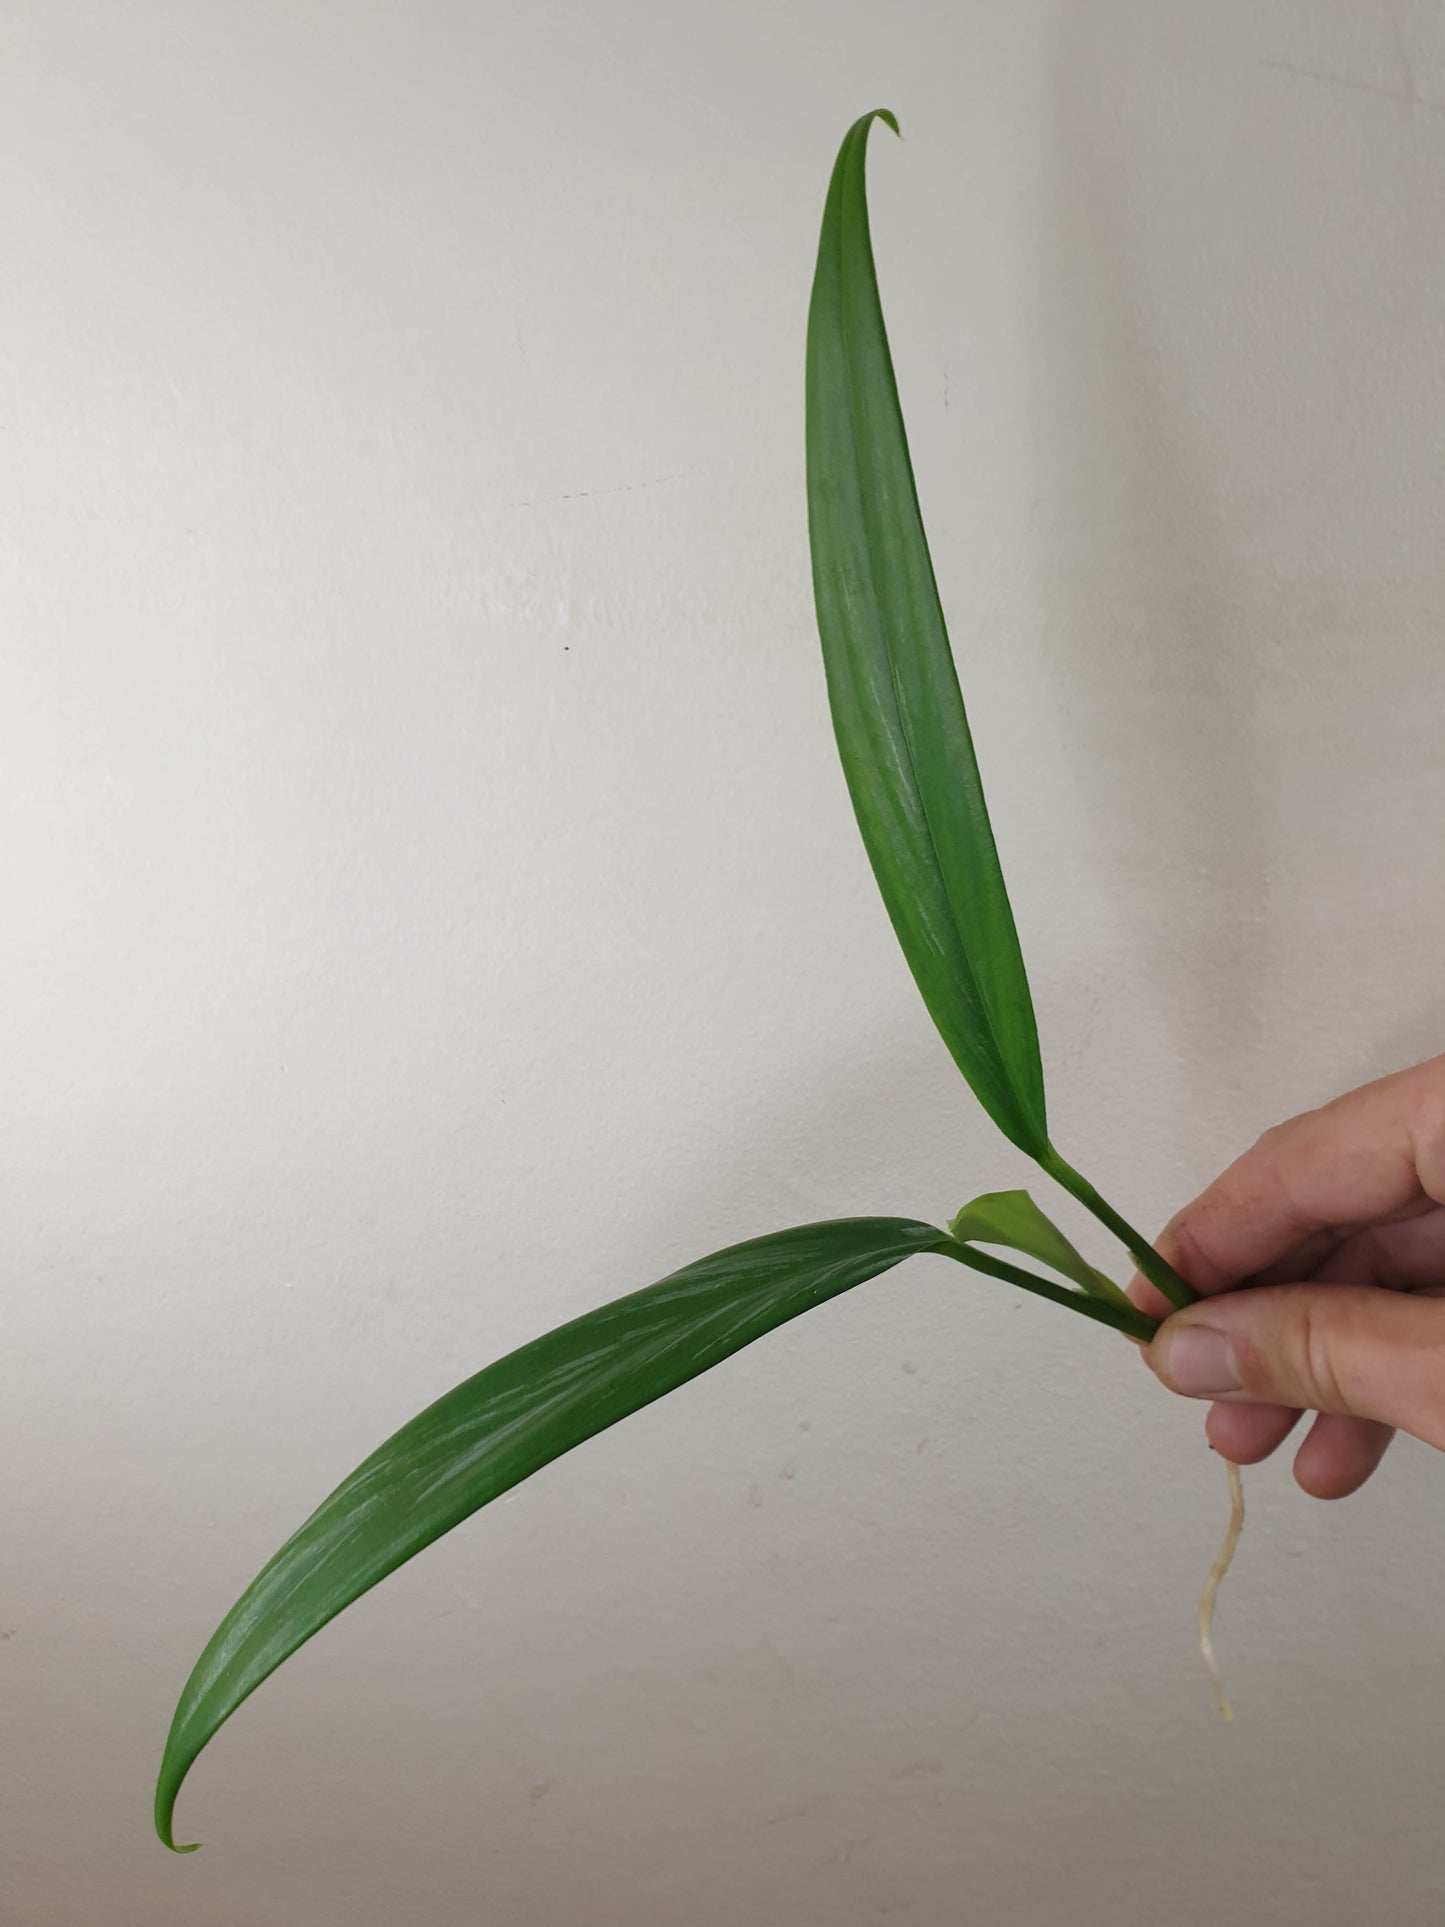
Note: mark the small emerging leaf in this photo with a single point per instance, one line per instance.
(1012, 1218)
(504, 1424)
(897, 712)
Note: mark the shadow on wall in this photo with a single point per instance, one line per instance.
(1134, 623)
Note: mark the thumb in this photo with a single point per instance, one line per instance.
(1327, 1348)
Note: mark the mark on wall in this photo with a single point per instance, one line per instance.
(1406, 98)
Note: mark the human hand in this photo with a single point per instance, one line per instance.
(1335, 1221)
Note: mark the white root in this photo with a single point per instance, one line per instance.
(1211, 1586)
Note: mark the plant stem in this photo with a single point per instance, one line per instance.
(1121, 1318)
(1157, 1270)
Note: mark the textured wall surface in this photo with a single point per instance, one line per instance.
(431, 907)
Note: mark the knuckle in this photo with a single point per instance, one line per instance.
(1319, 1358)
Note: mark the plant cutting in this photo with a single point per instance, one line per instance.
(908, 758)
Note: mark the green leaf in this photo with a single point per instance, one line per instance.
(506, 1423)
(897, 712)
(1012, 1218)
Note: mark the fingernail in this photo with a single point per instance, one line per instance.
(1199, 1362)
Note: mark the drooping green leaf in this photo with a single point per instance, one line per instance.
(1012, 1218)
(504, 1424)
(897, 712)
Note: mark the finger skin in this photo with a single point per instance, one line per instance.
(1353, 1350)
(1339, 1454)
(1150, 1300)
(1337, 1457)
(1351, 1191)
(1248, 1433)
(1377, 1153)
(1406, 1255)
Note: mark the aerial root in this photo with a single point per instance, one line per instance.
(1217, 1571)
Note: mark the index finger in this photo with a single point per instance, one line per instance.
(1376, 1153)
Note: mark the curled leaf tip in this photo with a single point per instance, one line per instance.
(865, 121)
(167, 1839)
(165, 1815)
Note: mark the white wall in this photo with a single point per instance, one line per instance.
(431, 907)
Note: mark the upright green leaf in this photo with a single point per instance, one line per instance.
(504, 1424)
(897, 712)
(1012, 1218)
